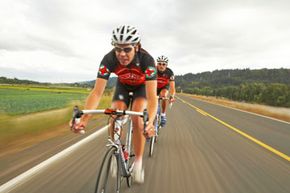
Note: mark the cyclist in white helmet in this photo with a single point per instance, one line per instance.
(165, 82)
(136, 73)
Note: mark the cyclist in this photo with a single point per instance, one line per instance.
(136, 73)
(165, 80)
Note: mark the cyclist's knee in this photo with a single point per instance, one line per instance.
(139, 104)
(164, 93)
(118, 104)
(137, 123)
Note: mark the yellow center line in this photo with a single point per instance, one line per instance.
(201, 112)
(273, 150)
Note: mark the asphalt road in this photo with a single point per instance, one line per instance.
(195, 153)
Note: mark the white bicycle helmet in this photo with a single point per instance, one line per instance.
(125, 34)
(162, 59)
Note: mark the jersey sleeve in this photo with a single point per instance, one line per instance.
(171, 75)
(104, 69)
(150, 68)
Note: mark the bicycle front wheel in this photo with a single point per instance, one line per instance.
(109, 178)
(151, 146)
(153, 139)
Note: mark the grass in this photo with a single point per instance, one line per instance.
(44, 110)
(24, 100)
(46, 88)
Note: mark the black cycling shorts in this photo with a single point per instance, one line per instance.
(160, 89)
(122, 93)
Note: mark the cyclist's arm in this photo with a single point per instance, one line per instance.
(151, 94)
(172, 88)
(94, 97)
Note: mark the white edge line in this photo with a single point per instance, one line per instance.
(243, 111)
(24, 177)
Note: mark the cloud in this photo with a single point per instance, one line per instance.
(71, 36)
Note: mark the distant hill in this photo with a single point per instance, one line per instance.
(264, 86)
(236, 77)
(85, 84)
(4, 80)
(110, 84)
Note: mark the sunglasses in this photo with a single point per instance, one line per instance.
(126, 49)
(162, 64)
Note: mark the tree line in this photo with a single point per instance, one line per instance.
(4, 80)
(265, 86)
(85, 84)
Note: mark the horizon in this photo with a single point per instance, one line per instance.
(113, 75)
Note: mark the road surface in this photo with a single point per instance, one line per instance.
(204, 148)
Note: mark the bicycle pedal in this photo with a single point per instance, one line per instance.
(132, 155)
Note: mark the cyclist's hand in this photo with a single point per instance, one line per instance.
(171, 99)
(149, 130)
(78, 126)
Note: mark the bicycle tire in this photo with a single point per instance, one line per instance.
(129, 181)
(157, 126)
(130, 160)
(151, 146)
(130, 165)
(102, 185)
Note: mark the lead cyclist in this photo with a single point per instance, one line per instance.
(136, 73)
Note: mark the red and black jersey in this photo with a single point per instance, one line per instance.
(163, 78)
(141, 69)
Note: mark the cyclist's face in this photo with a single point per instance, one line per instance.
(161, 66)
(125, 53)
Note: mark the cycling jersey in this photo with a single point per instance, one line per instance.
(163, 78)
(132, 76)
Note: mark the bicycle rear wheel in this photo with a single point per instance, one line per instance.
(109, 178)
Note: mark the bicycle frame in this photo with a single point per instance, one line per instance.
(124, 166)
(126, 169)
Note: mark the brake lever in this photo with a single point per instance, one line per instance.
(77, 114)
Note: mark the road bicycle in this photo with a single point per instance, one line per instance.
(118, 161)
(157, 125)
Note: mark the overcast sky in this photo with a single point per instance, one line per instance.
(65, 40)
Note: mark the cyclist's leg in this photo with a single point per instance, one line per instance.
(159, 105)
(120, 101)
(139, 104)
(163, 94)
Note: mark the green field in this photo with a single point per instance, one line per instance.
(30, 111)
(24, 99)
